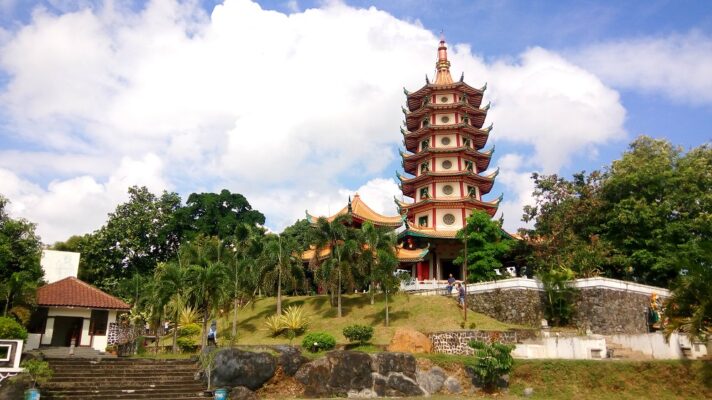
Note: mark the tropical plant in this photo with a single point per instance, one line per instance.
(207, 363)
(318, 341)
(39, 371)
(486, 244)
(11, 329)
(187, 344)
(246, 245)
(274, 325)
(377, 243)
(559, 295)
(295, 320)
(188, 315)
(491, 362)
(170, 283)
(281, 266)
(358, 333)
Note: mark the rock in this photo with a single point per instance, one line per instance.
(234, 367)
(336, 374)
(503, 381)
(290, 359)
(452, 385)
(528, 392)
(410, 341)
(431, 380)
(385, 363)
(363, 394)
(14, 388)
(401, 385)
(379, 384)
(242, 393)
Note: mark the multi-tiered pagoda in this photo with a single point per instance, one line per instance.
(443, 138)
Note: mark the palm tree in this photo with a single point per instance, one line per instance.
(246, 245)
(281, 265)
(337, 236)
(170, 281)
(375, 241)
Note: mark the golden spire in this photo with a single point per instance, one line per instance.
(442, 76)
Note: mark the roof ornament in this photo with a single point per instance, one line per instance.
(427, 80)
(462, 76)
(349, 207)
(407, 93)
(483, 88)
(487, 107)
(442, 66)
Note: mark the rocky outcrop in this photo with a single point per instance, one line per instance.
(234, 367)
(290, 359)
(385, 363)
(242, 393)
(336, 374)
(410, 341)
(431, 380)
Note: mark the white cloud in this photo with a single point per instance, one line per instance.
(676, 66)
(517, 181)
(283, 108)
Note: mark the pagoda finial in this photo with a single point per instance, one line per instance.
(427, 80)
(462, 76)
(442, 66)
(350, 209)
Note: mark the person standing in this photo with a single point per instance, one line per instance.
(450, 284)
(461, 294)
(213, 334)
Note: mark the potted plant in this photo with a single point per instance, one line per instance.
(207, 361)
(39, 372)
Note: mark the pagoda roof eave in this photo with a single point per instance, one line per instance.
(360, 211)
(428, 108)
(431, 87)
(430, 174)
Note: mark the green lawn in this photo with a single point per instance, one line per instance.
(423, 313)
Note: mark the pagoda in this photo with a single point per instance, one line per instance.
(443, 136)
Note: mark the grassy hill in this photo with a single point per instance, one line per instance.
(423, 313)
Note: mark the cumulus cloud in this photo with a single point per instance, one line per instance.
(676, 66)
(292, 110)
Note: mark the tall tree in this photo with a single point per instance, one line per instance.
(216, 214)
(171, 290)
(246, 245)
(486, 243)
(281, 266)
(20, 271)
(378, 244)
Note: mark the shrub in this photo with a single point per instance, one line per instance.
(11, 329)
(189, 330)
(274, 325)
(358, 333)
(39, 371)
(491, 362)
(186, 344)
(294, 320)
(318, 341)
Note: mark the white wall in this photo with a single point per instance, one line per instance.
(440, 194)
(456, 212)
(572, 348)
(58, 265)
(655, 345)
(438, 119)
(98, 342)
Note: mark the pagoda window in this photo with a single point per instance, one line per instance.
(423, 221)
(426, 122)
(469, 166)
(424, 167)
(424, 144)
(463, 98)
(424, 193)
(472, 192)
(466, 143)
(426, 100)
(466, 120)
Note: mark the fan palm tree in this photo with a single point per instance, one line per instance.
(170, 281)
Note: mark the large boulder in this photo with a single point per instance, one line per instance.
(410, 341)
(431, 380)
(235, 367)
(452, 385)
(385, 363)
(401, 385)
(336, 374)
(242, 393)
(290, 359)
(315, 377)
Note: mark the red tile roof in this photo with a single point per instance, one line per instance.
(71, 292)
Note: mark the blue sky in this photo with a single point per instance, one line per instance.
(297, 103)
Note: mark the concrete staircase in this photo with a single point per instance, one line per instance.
(120, 378)
(620, 352)
(63, 352)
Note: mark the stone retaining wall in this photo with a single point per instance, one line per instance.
(514, 306)
(608, 312)
(455, 342)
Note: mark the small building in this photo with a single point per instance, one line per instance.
(73, 312)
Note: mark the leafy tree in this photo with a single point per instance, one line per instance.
(491, 362)
(300, 232)
(559, 296)
(20, 253)
(171, 290)
(281, 266)
(378, 244)
(486, 245)
(246, 244)
(216, 214)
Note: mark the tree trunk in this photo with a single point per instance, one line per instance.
(7, 303)
(204, 335)
(158, 336)
(338, 296)
(175, 333)
(372, 292)
(386, 292)
(279, 292)
(234, 323)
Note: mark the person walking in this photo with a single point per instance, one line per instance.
(461, 294)
(213, 334)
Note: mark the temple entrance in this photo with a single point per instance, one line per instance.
(66, 330)
(448, 267)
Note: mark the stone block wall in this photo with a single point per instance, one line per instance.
(455, 342)
(514, 306)
(607, 312)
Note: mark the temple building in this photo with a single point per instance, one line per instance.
(443, 138)
(445, 166)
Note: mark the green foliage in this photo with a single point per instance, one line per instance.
(187, 345)
(295, 320)
(559, 295)
(274, 325)
(281, 267)
(633, 221)
(491, 362)
(39, 371)
(216, 214)
(11, 329)
(358, 333)
(378, 261)
(318, 341)
(486, 245)
(190, 330)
